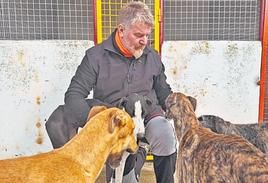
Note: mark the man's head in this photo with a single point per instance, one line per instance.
(135, 22)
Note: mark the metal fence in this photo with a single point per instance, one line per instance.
(109, 12)
(183, 19)
(46, 19)
(211, 19)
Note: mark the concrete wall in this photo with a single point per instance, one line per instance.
(35, 75)
(222, 76)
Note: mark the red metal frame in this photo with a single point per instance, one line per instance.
(161, 26)
(264, 40)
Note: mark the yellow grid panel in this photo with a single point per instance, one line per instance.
(107, 11)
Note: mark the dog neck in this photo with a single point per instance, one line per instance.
(89, 142)
(184, 122)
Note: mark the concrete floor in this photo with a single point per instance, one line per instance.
(147, 174)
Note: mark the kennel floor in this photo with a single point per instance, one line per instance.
(147, 174)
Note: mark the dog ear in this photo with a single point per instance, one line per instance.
(122, 102)
(193, 101)
(95, 110)
(148, 100)
(115, 121)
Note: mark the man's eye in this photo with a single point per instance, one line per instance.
(138, 35)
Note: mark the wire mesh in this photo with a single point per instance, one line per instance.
(211, 19)
(110, 10)
(46, 19)
(183, 19)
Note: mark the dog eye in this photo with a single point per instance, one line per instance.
(171, 105)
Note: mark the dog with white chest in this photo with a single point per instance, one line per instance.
(138, 106)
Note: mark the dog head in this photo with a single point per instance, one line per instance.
(178, 104)
(180, 108)
(122, 126)
(128, 103)
(138, 107)
(95, 110)
(215, 123)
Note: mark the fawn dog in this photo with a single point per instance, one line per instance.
(104, 137)
(255, 133)
(205, 156)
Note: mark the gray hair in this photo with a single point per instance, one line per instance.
(135, 11)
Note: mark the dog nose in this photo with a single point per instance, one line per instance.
(167, 114)
(140, 136)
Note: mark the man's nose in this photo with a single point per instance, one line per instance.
(143, 40)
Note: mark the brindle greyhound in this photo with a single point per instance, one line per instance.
(205, 156)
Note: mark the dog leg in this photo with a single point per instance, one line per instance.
(139, 125)
(119, 171)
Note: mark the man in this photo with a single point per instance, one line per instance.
(119, 66)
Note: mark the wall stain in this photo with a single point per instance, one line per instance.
(201, 48)
(40, 137)
(174, 71)
(16, 72)
(39, 140)
(231, 52)
(21, 57)
(38, 124)
(38, 100)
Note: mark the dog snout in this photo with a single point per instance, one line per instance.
(132, 150)
(168, 114)
(133, 146)
(140, 136)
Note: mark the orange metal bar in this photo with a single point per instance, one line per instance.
(264, 40)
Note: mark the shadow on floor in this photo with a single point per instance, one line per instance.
(147, 174)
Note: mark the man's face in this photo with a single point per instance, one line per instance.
(135, 37)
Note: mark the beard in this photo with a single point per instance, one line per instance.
(138, 52)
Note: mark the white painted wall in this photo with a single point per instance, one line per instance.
(35, 74)
(221, 75)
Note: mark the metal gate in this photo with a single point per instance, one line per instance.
(106, 19)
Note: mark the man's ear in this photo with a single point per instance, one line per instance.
(120, 29)
(95, 110)
(115, 121)
(193, 101)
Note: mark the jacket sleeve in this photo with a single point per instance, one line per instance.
(161, 87)
(81, 84)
